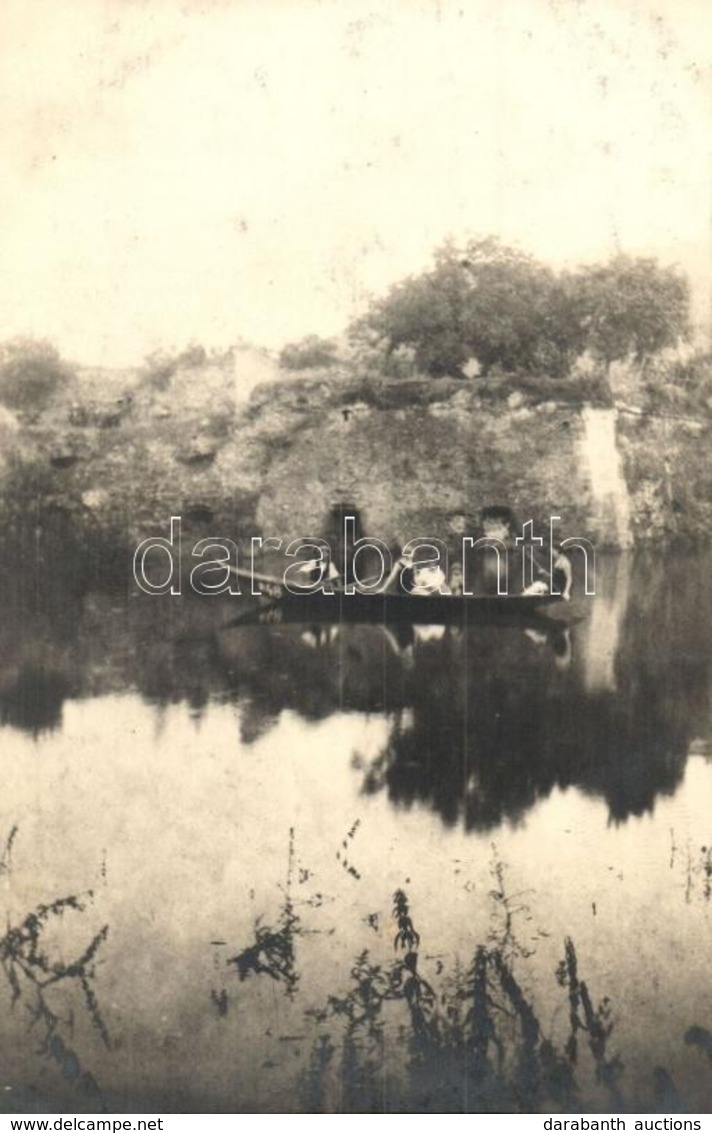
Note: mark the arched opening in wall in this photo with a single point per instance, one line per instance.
(334, 531)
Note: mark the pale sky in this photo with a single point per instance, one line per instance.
(174, 169)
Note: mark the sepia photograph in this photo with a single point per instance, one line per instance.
(355, 567)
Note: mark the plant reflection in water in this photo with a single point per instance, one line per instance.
(32, 975)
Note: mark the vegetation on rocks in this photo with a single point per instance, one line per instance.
(460, 388)
(311, 352)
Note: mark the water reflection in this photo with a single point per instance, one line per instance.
(478, 858)
(494, 727)
(601, 635)
(280, 940)
(33, 700)
(483, 722)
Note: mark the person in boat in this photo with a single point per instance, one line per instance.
(563, 576)
(456, 582)
(419, 580)
(557, 581)
(321, 570)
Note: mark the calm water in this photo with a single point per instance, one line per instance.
(287, 869)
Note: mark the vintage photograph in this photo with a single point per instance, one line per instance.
(355, 581)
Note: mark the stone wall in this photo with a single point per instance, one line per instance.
(416, 458)
(430, 469)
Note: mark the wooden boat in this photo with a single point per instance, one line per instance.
(276, 604)
(432, 609)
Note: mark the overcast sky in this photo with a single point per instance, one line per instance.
(175, 170)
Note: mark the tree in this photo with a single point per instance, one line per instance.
(502, 307)
(519, 314)
(31, 373)
(483, 300)
(632, 307)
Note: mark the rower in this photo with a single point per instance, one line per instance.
(557, 582)
(418, 580)
(319, 570)
(456, 583)
(563, 576)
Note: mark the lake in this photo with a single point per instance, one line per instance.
(296, 868)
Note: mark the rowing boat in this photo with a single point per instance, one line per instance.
(398, 609)
(274, 602)
(431, 609)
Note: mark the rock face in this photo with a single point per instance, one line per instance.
(417, 458)
(410, 470)
(669, 472)
(426, 458)
(601, 456)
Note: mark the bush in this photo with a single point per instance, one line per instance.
(579, 390)
(310, 353)
(680, 386)
(160, 367)
(31, 374)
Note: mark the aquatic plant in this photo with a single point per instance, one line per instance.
(341, 854)
(475, 1044)
(273, 952)
(595, 1023)
(24, 962)
(408, 1034)
(32, 973)
(6, 855)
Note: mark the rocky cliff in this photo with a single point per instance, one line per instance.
(416, 457)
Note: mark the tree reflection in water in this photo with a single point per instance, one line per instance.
(493, 728)
(486, 721)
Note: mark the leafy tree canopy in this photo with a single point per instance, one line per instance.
(632, 307)
(502, 307)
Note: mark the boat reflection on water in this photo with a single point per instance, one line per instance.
(484, 721)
